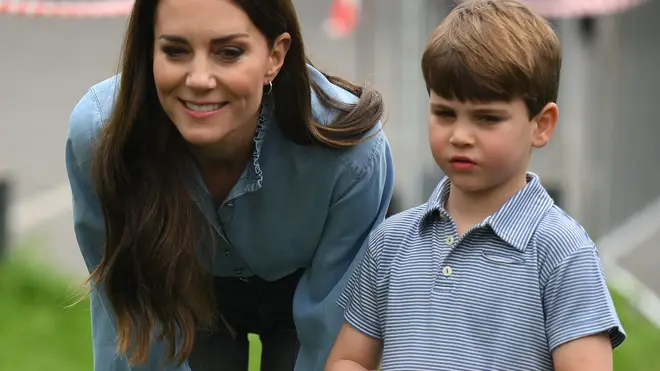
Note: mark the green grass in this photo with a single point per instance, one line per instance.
(254, 363)
(641, 350)
(40, 331)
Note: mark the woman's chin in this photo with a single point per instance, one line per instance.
(202, 138)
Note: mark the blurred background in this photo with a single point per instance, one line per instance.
(602, 165)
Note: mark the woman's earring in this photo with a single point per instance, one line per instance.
(270, 87)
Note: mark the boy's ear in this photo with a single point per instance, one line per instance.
(546, 122)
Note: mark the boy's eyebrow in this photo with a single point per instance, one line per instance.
(441, 106)
(490, 110)
(478, 110)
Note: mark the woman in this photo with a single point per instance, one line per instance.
(222, 186)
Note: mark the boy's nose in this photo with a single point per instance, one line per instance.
(461, 137)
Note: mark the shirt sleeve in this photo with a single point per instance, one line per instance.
(360, 297)
(85, 121)
(351, 218)
(577, 302)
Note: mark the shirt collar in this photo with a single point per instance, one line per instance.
(515, 222)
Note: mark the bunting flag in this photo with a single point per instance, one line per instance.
(341, 22)
(67, 9)
(344, 18)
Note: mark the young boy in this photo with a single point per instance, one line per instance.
(489, 274)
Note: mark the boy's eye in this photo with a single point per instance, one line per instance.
(444, 114)
(490, 119)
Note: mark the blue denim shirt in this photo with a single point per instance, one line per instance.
(294, 207)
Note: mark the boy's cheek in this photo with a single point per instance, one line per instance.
(437, 144)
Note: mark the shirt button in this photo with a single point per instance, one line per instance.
(238, 271)
(227, 252)
(230, 204)
(447, 271)
(449, 240)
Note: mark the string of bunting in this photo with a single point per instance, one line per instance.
(67, 9)
(341, 22)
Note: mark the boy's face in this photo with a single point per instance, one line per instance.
(482, 146)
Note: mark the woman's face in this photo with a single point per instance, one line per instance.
(211, 64)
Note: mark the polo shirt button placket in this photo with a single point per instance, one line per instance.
(447, 270)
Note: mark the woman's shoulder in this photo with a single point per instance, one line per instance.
(91, 113)
(362, 158)
(321, 113)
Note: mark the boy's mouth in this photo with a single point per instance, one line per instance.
(462, 159)
(462, 163)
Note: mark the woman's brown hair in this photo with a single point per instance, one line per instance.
(150, 269)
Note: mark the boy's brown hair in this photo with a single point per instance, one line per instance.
(488, 50)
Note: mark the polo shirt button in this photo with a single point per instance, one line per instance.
(447, 271)
(449, 240)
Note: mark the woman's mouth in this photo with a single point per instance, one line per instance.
(202, 110)
(203, 107)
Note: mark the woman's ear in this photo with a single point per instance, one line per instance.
(278, 55)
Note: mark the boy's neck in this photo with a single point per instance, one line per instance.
(470, 208)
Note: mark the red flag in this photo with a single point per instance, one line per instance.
(344, 18)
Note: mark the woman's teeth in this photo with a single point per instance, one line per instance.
(203, 107)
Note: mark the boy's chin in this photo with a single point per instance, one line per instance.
(469, 183)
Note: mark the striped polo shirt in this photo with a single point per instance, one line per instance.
(502, 297)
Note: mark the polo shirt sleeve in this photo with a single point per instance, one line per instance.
(577, 302)
(360, 297)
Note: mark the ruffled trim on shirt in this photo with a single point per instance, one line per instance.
(264, 115)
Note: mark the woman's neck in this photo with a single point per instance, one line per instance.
(212, 161)
(221, 173)
(229, 154)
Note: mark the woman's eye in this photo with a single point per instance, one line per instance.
(230, 53)
(174, 51)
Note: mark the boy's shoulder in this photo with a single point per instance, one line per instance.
(389, 236)
(557, 237)
(552, 234)
(406, 220)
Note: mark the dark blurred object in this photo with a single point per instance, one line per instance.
(588, 28)
(556, 194)
(4, 214)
